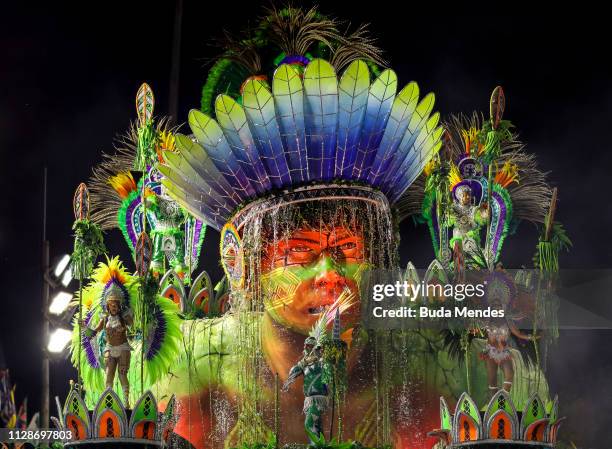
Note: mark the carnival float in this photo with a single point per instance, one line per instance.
(305, 155)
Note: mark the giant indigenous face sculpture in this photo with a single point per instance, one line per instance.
(310, 270)
(310, 259)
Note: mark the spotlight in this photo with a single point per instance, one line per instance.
(58, 340)
(61, 265)
(59, 303)
(67, 277)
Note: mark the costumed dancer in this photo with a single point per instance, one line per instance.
(168, 233)
(503, 294)
(316, 391)
(111, 305)
(466, 218)
(497, 354)
(115, 319)
(126, 193)
(494, 184)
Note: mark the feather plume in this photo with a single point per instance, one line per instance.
(355, 46)
(162, 339)
(241, 49)
(123, 184)
(295, 30)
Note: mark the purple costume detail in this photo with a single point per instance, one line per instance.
(88, 347)
(156, 339)
(128, 217)
(295, 59)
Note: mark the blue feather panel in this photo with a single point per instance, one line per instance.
(211, 218)
(417, 161)
(209, 134)
(417, 122)
(289, 100)
(198, 200)
(259, 107)
(200, 192)
(196, 157)
(190, 177)
(380, 100)
(392, 181)
(303, 130)
(233, 122)
(402, 111)
(321, 115)
(352, 97)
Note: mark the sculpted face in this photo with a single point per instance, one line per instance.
(310, 271)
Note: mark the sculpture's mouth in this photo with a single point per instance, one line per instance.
(317, 310)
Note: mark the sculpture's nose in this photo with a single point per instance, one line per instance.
(328, 281)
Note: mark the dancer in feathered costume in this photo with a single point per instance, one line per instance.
(484, 179)
(136, 205)
(110, 303)
(315, 389)
(114, 319)
(315, 370)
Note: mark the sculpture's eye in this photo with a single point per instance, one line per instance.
(348, 245)
(301, 249)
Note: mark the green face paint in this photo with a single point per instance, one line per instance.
(295, 295)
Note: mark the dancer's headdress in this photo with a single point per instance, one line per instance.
(116, 281)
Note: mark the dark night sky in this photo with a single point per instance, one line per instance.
(68, 76)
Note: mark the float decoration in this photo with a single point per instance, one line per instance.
(306, 173)
(112, 425)
(297, 144)
(126, 193)
(500, 424)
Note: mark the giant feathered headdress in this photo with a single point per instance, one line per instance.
(300, 128)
